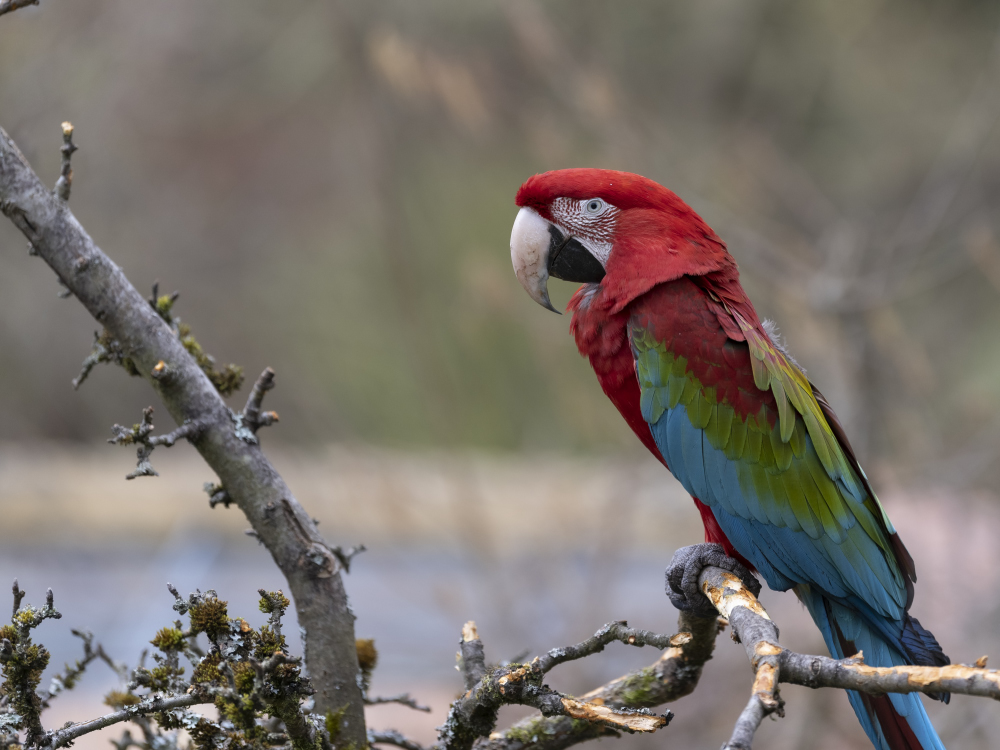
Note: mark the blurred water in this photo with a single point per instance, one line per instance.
(537, 563)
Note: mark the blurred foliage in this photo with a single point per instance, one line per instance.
(330, 188)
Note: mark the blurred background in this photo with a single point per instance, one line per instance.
(330, 187)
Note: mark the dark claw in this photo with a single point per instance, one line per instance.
(684, 569)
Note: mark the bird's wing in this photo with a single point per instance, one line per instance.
(740, 426)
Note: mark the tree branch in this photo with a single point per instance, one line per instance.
(674, 675)
(614, 631)
(392, 737)
(773, 664)
(312, 570)
(404, 699)
(473, 655)
(63, 737)
(11, 5)
(474, 714)
(618, 706)
(253, 417)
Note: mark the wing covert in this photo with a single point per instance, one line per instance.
(742, 433)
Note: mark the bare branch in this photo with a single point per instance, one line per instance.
(11, 5)
(68, 679)
(252, 415)
(65, 181)
(18, 597)
(403, 698)
(614, 631)
(473, 655)
(189, 430)
(309, 565)
(392, 737)
(345, 556)
(151, 705)
(105, 350)
(746, 726)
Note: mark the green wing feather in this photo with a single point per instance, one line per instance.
(792, 469)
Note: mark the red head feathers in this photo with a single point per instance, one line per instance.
(640, 233)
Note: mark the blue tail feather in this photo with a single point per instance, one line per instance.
(892, 722)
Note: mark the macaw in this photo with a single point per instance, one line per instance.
(710, 390)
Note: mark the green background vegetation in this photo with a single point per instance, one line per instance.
(330, 187)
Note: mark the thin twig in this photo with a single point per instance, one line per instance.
(189, 430)
(253, 417)
(18, 597)
(392, 737)
(65, 181)
(614, 631)
(62, 737)
(403, 699)
(11, 5)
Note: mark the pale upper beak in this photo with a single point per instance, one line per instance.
(539, 249)
(529, 252)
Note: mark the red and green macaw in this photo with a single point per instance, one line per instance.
(709, 390)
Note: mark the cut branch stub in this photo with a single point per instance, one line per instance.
(217, 495)
(472, 656)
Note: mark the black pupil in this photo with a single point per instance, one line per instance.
(594, 205)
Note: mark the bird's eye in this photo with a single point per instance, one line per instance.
(594, 206)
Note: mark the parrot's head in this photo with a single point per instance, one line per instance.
(616, 229)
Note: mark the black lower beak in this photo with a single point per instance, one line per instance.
(569, 260)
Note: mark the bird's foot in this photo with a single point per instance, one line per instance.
(684, 569)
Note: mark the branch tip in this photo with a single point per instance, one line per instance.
(345, 556)
(251, 418)
(65, 181)
(8, 6)
(469, 632)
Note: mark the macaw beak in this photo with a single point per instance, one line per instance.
(539, 249)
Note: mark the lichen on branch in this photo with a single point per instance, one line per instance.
(108, 349)
(262, 698)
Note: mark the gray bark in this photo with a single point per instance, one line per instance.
(288, 532)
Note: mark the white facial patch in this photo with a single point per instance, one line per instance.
(591, 221)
